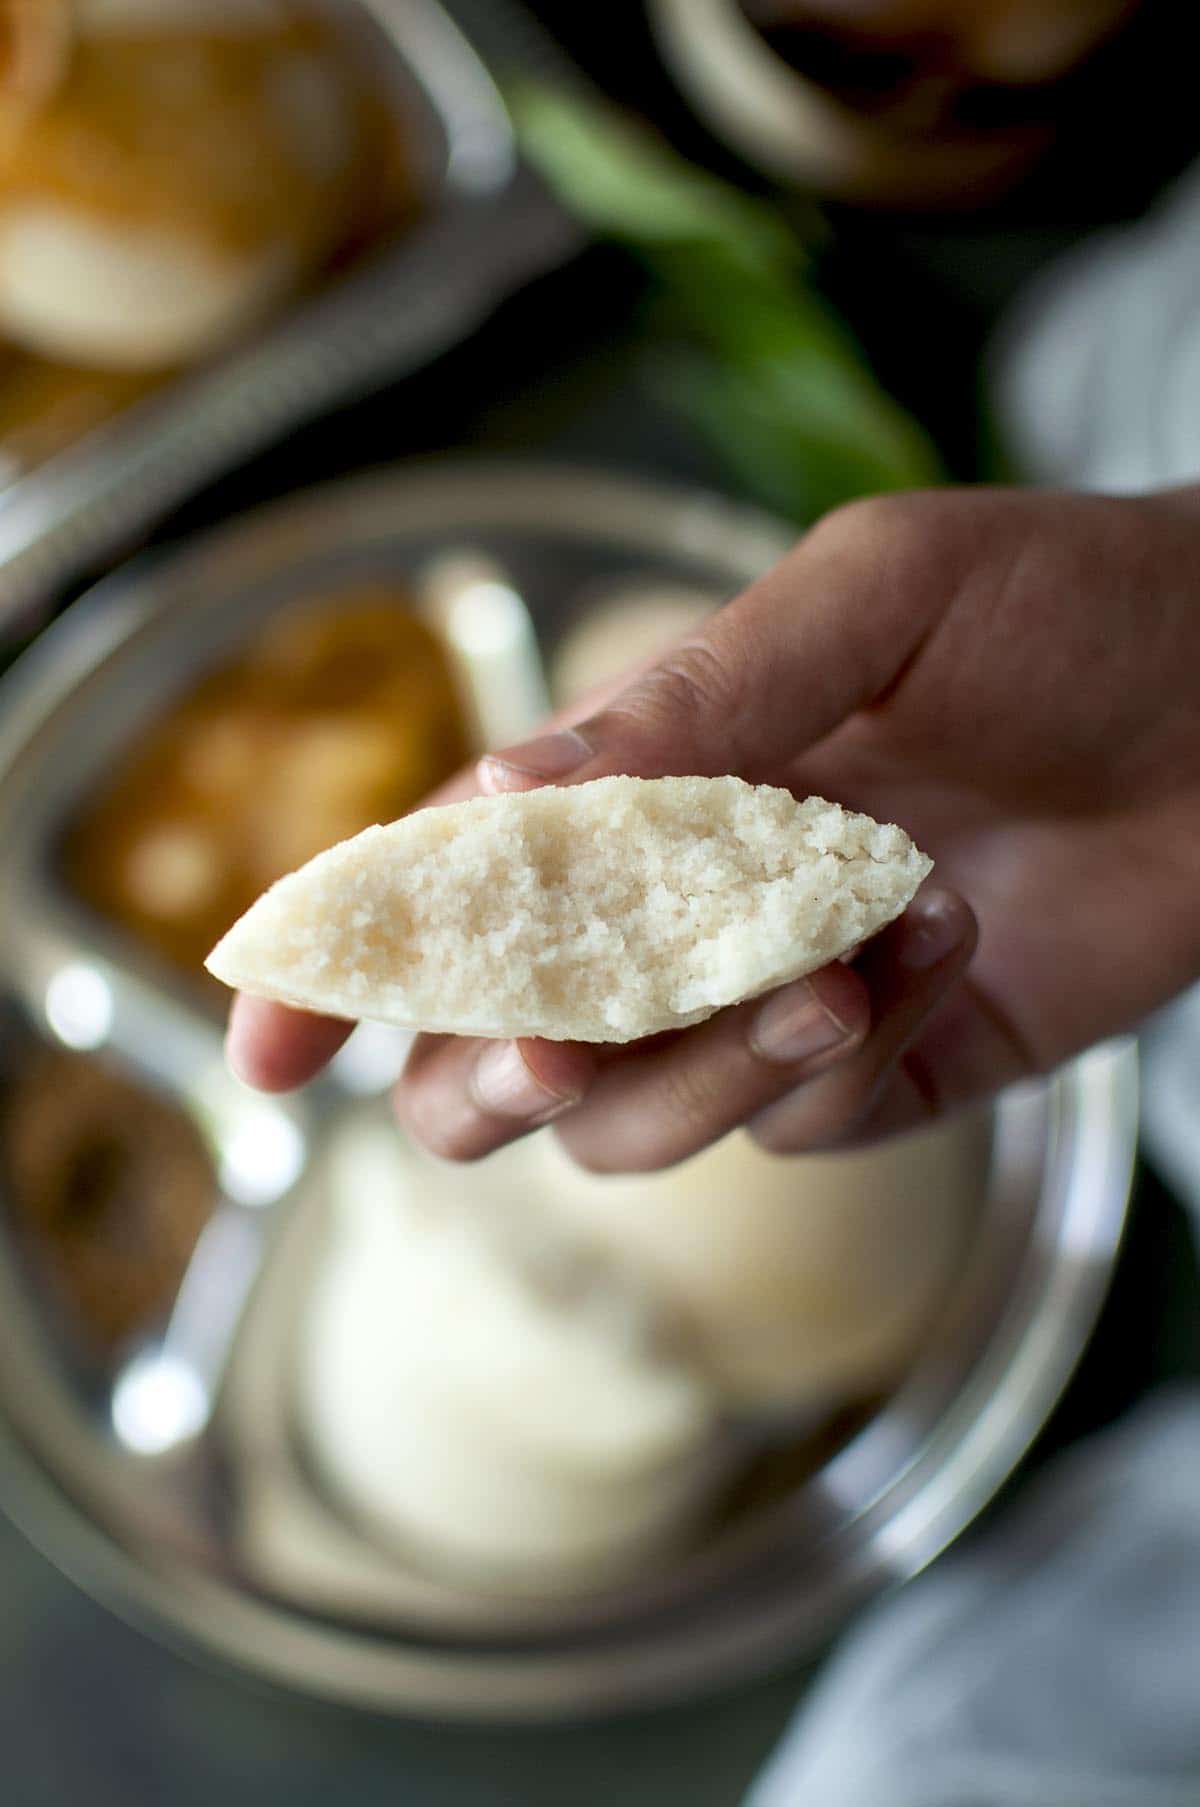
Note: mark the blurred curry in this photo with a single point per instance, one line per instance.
(108, 1187)
(339, 715)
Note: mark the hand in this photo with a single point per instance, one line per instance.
(1013, 677)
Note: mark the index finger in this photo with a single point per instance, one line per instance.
(274, 1048)
(822, 635)
(476, 779)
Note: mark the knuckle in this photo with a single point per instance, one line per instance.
(921, 1080)
(597, 1153)
(909, 534)
(894, 522)
(820, 1114)
(587, 1158)
(689, 1101)
(446, 1144)
(777, 1134)
(899, 1107)
(685, 693)
(863, 522)
(451, 1136)
(675, 1117)
(617, 1158)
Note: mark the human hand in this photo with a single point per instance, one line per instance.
(1013, 677)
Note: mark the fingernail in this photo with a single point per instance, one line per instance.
(503, 1083)
(936, 925)
(794, 1025)
(548, 756)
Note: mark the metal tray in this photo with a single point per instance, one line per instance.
(486, 226)
(176, 1540)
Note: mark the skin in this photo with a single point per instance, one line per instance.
(1015, 678)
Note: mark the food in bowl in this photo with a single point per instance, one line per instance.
(107, 1188)
(479, 1390)
(343, 711)
(34, 44)
(45, 407)
(526, 1376)
(171, 171)
(801, 1283)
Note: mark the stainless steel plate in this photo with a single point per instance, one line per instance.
(164, 1539)
(487, 225)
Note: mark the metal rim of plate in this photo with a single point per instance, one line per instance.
(487, 227)
(885, 1505)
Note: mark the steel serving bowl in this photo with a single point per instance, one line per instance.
(485, 226)
(220, 1540)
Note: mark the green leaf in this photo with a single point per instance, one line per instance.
(624, 183)
(798, 459)
(775, 379)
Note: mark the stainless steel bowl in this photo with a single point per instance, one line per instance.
(176, 1540)
(486, 225)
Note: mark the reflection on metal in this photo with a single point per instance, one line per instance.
(79, 1006)
(262, 1155)
(372, 1060)
(157, 1403)
(487, 627)
(167, 1393)
(480, 153)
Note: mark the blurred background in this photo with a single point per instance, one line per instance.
(584, 312)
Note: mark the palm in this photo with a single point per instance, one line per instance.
(1045, 749)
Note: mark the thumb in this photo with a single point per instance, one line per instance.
(821, 635)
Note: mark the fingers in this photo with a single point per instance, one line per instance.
(821, 636)
(654, 1107)
(801, 1071)
(463, 1099)
(275, 1048)
(909, 969)
(965, 1053)
(638, 1108)
(471, 779)
(805, 1066)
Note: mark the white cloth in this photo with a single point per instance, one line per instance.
(1054, 1661)
(1095, 375)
